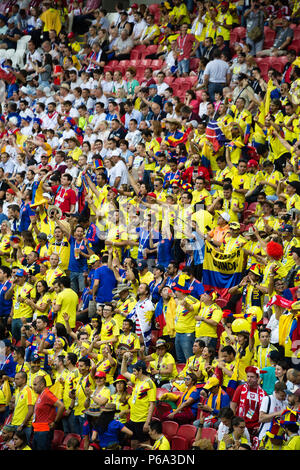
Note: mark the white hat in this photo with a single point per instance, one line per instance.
(225, 216)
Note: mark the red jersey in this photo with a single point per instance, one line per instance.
(185, 46)
(64, 198)
(248, 404)
(44, 411)
(188, 174)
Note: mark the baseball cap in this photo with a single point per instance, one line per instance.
(141, 265)
(253, 369)
(286, 228)
(152, 195)
(252, 163)
(100, 374)
(71, 35)
(10, 191)
(212, 382)
(152, 85)
(21, 273)
(93, 259)
(225, 216)
(160, 267)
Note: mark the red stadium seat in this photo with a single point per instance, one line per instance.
(124, 64)
(209, 433)
(188, 431)
(170, 429)
(58, 438)
(151, 49)
(157, 64)
(296, 34)
(146, 62)
(179, 443)
(241, 32)
(194, 62)
(169, 80)
(133, 63)
(135, 54)
(295, 45)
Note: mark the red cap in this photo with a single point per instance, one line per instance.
(100, 374)
(152, 195)
(71, 35)
(135, 6)
(10, 191)
(41, 136)
(252, 163)
(252, 369)
(114, 190)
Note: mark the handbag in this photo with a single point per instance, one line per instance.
(255, 34)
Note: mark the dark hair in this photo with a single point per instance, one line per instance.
(228, 349)
(226, 413)
(156, 426)
(85, 360)
(72, 358)
(236, 420)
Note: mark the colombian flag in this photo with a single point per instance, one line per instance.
(221, 271)
(98, 163)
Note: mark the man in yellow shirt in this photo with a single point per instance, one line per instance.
(239, 177)
(25, 399)
(19, 290)
(142, 400)
(224, 22)
(179, 14)
(208, 318)
(65, 302)
(50, 18)
(61, 246)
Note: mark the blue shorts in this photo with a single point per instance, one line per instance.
(184, 66)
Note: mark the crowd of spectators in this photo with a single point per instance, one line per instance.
(133, 145)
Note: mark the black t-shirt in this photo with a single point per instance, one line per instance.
(10, 33)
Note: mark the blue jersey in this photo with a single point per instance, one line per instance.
(107, 282)
(77, 265)
(5, 305)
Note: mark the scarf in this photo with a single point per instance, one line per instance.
(243, 399)
(217, 401)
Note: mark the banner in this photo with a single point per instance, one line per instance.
(221, 271)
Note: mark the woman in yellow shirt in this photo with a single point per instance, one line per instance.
(235, 437)
(41, 302)
(120, 398)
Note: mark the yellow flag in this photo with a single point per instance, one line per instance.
(270, 87)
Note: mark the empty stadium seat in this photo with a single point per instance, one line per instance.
(188, 431)
(241, 32)
(170, 429)
(179, 443)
